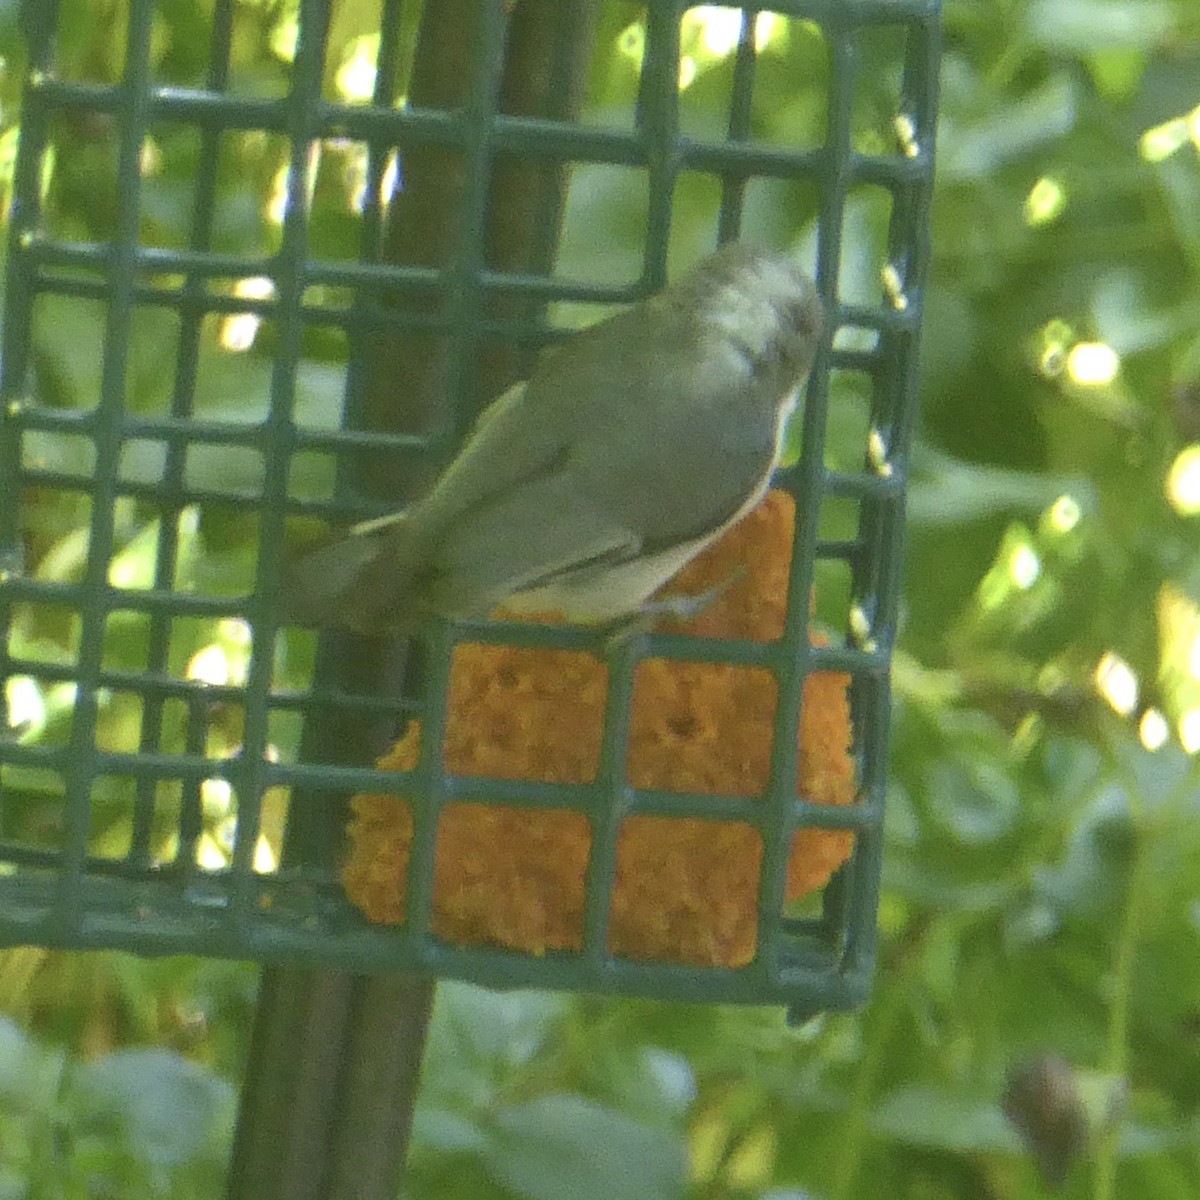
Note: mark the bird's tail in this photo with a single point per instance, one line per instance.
(363, 582)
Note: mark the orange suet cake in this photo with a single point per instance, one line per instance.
(686, 888)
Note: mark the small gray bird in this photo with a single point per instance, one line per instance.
(634, 445)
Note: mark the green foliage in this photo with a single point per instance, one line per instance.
(1043, 865)
(143, 1122)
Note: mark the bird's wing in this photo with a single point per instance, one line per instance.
(685, 437)
(633, 481)
(704, 471)
(533, 532)
(508, 447)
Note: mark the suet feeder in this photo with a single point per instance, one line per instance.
(289, 303)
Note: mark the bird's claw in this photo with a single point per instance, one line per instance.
(675, 608)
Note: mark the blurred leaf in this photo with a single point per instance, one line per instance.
(1090, 881)
(1126, 319)
(134, 565)
(977, 800)
(439, 1131)
(1077, 26)
(477, 1035)
(567, 1145)
(170, 1109)
(922, 1115)
(1117, 72)
(981, 146)
(29, 1073)
(945, 490)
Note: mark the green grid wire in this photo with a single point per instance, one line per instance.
(67, 895)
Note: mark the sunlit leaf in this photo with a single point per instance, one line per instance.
(1075, 26)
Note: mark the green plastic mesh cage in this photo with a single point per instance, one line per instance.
(290, 301)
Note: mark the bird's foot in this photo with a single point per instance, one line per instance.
(674, 608)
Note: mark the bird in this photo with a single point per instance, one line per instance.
(582, 490)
